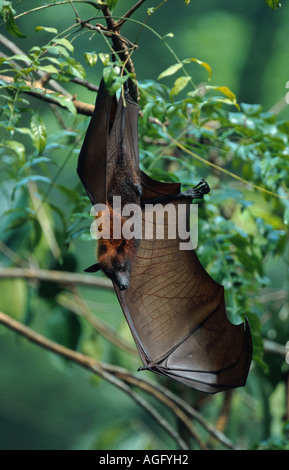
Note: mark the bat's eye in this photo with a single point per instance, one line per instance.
(120, 248)
(121, 267)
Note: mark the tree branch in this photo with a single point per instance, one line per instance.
(90, 86)
(62, 277)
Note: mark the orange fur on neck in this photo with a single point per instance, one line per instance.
(107, 248)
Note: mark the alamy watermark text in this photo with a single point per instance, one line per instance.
(153, 221)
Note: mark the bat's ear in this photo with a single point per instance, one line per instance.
(93, 268)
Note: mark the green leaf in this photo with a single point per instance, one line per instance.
(75, 69)
(117, 83)
(48, 30)
(111, 4)
(104, 58)
(203, 64)
(37, 232)
(26, 180)
(11, 26)
(18, 57)
(179, 85)
(35, 161)
(274, 4)
(16, 147)
(65, 103)
(24, 131)
(5, 6)
(225, 90)
(171, 70)
(39, 133)
(109, 74)
(48, 68)
(64, 42)
(251, 109)
(58, 50)
(90, 58)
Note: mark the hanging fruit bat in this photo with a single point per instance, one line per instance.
(175, 310)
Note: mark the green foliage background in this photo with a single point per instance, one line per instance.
(237, 121)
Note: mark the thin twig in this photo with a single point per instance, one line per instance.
(85, 83)
(62, 277)
(274, 348)
(278, 107)
(225, 411)
(275, 295)
(129, 13)
(64, 2)
(74, 9)
(11, 255)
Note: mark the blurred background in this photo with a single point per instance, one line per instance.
(47, 403)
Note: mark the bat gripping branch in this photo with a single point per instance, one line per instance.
(198, 191)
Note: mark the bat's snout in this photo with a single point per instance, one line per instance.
(123, 286)
(122, 278)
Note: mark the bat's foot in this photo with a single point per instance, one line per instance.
(202, 187)
(198, 191)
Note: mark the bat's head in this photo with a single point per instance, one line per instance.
(115, 259)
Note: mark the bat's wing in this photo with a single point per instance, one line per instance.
(114, 123)
(177, 316)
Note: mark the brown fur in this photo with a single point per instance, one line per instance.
(125, 183)
(115, 255)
